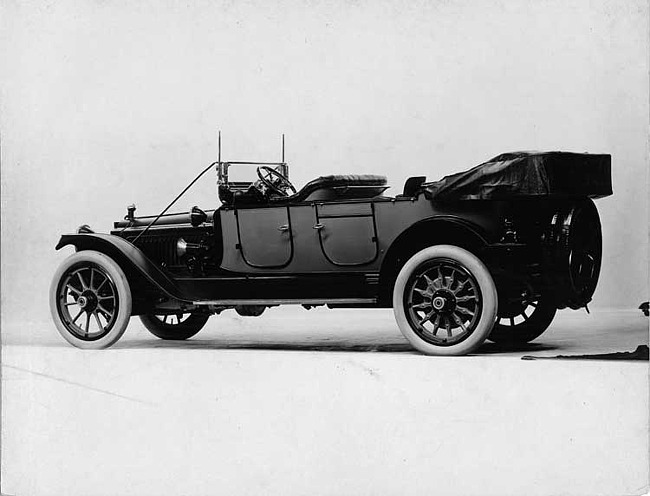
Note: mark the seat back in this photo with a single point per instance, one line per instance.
(412, 185)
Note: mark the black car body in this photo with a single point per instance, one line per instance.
(490, 253)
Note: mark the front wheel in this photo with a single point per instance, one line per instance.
(179, 326)
(90, 300)
(445, 301)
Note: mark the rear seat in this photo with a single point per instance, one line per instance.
(336, 187)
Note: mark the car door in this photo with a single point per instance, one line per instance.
(265, 238)
(347, 232)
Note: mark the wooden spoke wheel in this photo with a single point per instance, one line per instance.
(520, 322)
(90, 300)
(178, 326)
(445, 301)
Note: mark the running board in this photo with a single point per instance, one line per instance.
(311, 301)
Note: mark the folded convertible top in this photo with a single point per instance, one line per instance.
(528, 174)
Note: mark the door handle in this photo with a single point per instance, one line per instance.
(318, 226)
(284, 227)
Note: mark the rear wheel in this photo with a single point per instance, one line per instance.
(179, 326)
(519, 322)
(90, 300)
(445, 301)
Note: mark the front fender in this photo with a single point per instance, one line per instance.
(126, 255)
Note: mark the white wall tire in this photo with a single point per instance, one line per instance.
(445, 301)
(90, 300)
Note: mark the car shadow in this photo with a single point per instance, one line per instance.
(270, 346)
(489, 348)
(320, 346)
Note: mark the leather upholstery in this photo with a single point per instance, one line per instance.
(374, 183)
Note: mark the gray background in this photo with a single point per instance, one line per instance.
(105, 104)
(108, 103)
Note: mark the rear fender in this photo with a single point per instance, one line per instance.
(127, 256)
(425, 233)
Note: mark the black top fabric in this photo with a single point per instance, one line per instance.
(528, 174)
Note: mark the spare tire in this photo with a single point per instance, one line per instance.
(573, 253)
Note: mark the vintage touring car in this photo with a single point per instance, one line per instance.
(489, 253)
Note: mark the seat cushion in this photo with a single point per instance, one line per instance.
(339, 186)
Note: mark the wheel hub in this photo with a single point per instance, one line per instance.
(87, 301)
(443, 301)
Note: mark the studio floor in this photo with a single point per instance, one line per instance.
(324, 402)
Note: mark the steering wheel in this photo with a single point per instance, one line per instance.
(274, 180)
